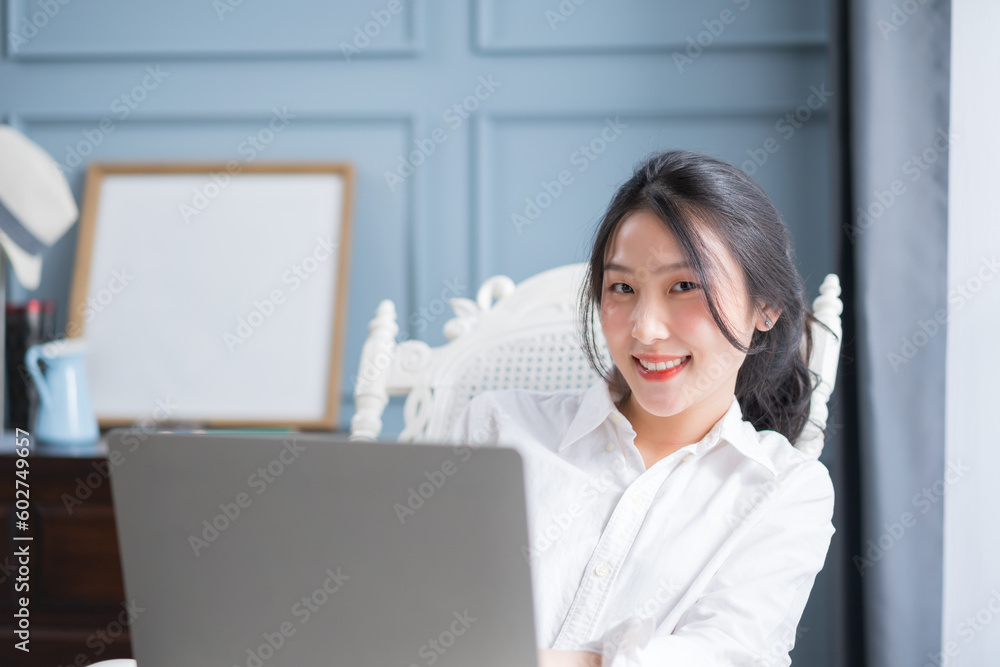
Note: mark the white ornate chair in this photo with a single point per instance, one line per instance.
(528, 338)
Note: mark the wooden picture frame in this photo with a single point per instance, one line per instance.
(214, 293)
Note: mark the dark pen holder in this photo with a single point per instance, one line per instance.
(27, 323)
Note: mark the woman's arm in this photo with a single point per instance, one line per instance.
(548, 657)
(747, 611)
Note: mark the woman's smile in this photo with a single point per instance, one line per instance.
(660, 330)
(658, 371)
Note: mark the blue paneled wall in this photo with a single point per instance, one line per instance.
(487, 136)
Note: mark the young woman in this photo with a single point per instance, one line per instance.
(671, 521)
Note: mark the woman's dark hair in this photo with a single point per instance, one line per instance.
(689, 193)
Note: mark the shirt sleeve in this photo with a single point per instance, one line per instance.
(748, 611)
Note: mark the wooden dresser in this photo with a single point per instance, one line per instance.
(77, 599)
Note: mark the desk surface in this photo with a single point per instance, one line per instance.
(7, 447)
(100, 449)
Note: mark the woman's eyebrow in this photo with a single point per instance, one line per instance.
(614, 266)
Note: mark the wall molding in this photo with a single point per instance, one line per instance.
(481, 158)
(485, 42)
(13, 15)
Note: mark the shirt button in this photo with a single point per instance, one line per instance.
(602, 570)
(618, 420)
(636, 498)
(687, 458)
(610, 446)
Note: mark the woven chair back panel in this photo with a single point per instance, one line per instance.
(546, 362)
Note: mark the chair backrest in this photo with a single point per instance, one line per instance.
(528, 339)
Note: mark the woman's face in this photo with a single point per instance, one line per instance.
(655, 314)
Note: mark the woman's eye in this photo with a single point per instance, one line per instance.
(615, 288)
(685, 286)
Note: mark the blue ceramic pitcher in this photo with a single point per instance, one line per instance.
(65, 416)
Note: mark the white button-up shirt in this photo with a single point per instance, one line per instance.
(706, 558)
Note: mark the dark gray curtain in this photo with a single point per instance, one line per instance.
(899, 141)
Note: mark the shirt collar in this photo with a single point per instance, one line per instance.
(596, 406)
(599, 405)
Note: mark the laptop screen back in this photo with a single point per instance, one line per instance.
(274, 550)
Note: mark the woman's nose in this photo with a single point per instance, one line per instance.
(649, 323)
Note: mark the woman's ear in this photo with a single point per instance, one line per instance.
(767, 317)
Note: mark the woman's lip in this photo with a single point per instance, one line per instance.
(664, 374)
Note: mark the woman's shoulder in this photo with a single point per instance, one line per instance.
(517, 415)
(528, 406)
(531, 400)
(790, 461)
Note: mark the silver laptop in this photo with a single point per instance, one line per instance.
(291, 549)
